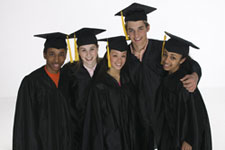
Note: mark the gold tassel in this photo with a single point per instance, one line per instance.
(75, 47)
(123, 24)
(68, 43)
(108, 57)
(163, 46)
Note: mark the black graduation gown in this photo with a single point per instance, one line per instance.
(42, 120)
(180, 116)
(146, 76)
(109, 116)
(80, 81)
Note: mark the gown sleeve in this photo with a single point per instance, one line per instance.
(25, 136)
(193, 66)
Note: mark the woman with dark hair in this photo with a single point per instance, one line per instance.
(181, 120)
(109, 117)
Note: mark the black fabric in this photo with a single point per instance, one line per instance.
(117, 43)
(146, 76)
(86, 36)
(178, 45)
(109, 116)
(42, 118)
(136, 12)
(79, 85)
(54, 40)
(180, 116)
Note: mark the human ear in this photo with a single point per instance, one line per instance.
(182, 60)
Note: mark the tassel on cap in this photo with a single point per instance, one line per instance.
(70, 53)
(108, 57)
(163, 46)
(123, 24)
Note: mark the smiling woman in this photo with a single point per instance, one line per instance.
(109, 122)
(81, 72)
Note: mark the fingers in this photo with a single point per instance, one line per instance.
(189, 82)
(186, 146)
(185, 77)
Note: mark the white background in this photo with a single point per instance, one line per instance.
(200, 21)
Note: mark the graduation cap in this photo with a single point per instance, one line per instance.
(117, 43)
(178, 45)
(134, 12)
(54, 40)
(84, 36)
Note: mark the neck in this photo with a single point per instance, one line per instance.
(115, 74)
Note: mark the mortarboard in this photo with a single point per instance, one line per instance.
(117, 43)
(134, 12)
(54, 40)
(84, 36)
(178, 45)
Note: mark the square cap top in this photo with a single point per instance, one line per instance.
(117, 43)
(136, 12)
(178, 45)
(86, 35)
(54, 40)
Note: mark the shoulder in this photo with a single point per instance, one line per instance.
(36, 73)
(155, 41)
(33, 77)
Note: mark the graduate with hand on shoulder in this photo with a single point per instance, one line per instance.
(42, 118)
(181, 117)
(81, 72)
(144, 66)
(108, 120)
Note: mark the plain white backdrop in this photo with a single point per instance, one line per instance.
(200, 21)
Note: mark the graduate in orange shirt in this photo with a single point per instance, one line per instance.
(42, 118)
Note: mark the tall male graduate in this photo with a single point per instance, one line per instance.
(144, 66)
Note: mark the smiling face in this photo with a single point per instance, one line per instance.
(117, 59)
(54, 59)
(137, 31)
(171, 61)
(88, 54)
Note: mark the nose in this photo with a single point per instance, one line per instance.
(88, 53)
(56, 59)
(119, 60)
(136, 34)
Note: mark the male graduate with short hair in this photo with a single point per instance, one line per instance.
(42, 118)
(144, 66)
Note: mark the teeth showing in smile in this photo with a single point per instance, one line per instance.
(56, 65)
(166, 65)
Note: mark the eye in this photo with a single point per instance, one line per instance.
(51, 54)
(141, 28)
(114, 55)
(62, 54)
(173, 58)
(124, 56)
(83, 50)
(130, 30)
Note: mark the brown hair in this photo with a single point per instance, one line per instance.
(145, 22)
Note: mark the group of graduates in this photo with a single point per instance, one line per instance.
(140, 96)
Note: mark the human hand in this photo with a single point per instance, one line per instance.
(186, 146)
(190, 81)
